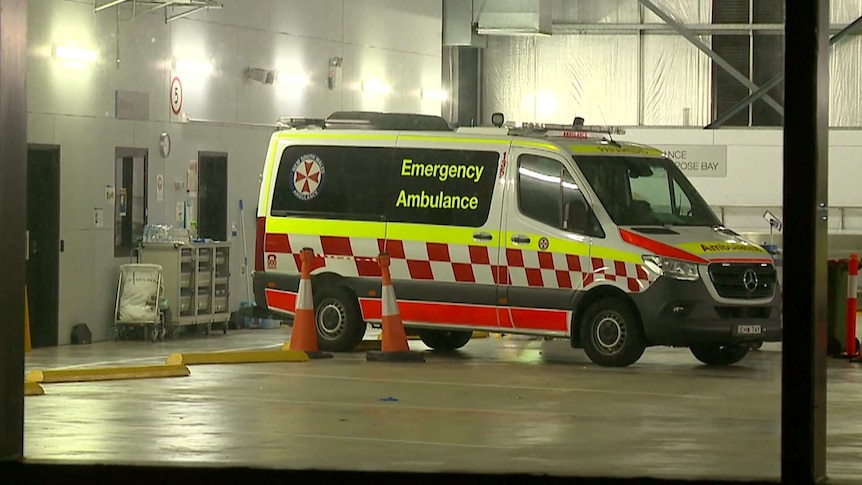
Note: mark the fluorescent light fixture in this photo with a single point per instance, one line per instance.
(187, 66)
(78, 55)
(435, 94)
(374, 86)
(292, 79)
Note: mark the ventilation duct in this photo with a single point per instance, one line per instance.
(513, 17)
(459, 25)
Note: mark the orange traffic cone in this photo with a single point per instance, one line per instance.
(303, 338)
(394, 347)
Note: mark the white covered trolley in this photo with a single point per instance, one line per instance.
(137, 308)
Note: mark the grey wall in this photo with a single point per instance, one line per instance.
(397, 41)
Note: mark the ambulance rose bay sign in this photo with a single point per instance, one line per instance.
(308, 172)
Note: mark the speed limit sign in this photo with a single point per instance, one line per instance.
(176, 94)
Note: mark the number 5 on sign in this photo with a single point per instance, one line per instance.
(176, 95)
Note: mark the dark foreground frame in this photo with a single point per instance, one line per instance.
(804, 360)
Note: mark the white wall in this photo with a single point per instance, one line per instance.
(754, 172)
(397, 41)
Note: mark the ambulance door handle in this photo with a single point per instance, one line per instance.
(518, 239)
(482, 236)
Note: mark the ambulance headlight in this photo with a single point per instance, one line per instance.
(672, 268)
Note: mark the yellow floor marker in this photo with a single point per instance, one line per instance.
(246, 357)
(106, 374)
(33, 389)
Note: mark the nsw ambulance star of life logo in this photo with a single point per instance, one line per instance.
(308, 173)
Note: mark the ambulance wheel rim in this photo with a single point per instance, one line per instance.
(610, 333)
(331, 319)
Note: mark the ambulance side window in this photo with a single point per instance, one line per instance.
(330, 181)
(546, 190)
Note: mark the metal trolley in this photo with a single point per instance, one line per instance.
(138, 303)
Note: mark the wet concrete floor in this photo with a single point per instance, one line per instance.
(497, 406)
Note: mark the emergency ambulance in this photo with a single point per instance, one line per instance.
(556, 231)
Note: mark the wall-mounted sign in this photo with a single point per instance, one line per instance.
(176, 95)
(160, 187)
(99, 217)
(121, 202)
(698, 160)
(192, 179)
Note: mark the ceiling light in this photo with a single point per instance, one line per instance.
(186, 66)
(435, 94)
(292, 79)
(375, 87)
(74, 54)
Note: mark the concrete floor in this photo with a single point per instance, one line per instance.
(498, 406)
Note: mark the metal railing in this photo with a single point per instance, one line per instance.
(842, 211)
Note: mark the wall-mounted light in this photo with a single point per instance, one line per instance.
(293, 79)
(188, 66)
(373, 86)
(77, 56)
(434, 94)
(263, 76)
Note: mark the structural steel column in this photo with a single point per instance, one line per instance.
(13, 223)
(806, 149)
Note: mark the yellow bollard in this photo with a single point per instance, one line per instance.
(27, 344)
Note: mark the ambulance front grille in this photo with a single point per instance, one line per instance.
(734, 280)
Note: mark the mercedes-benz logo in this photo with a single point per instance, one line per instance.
(749, 280)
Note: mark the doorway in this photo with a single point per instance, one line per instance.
(43, 244)
(212, 195)
(130, 199)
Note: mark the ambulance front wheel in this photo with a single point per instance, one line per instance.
(611, 333)
(340, 327)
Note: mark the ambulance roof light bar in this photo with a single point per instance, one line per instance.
(568, 131)
(298, 122)
(576, 130)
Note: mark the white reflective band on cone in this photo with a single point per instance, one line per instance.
(390, 306)
(304, 301)
(852, 286)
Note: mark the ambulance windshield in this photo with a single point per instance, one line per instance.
(640, 191)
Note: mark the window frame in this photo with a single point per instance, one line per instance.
(596, 232)
(386, 184)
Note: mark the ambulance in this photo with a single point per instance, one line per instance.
(556, 231)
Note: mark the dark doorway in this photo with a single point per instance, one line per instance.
(130, 199)
(43, 243)
(212, 195)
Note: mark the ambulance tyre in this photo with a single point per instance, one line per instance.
(611, 333)
(339, 322)
(445, 340)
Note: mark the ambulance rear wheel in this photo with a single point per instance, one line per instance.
(445, 340)
(339, 322)
(611, 334)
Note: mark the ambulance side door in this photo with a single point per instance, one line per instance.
(547, 231)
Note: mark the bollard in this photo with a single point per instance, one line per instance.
(852, 288)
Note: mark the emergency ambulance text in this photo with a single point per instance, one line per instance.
(721, 248)
(441, 171)
(436, 201)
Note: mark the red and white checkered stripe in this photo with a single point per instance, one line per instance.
(456, 263)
